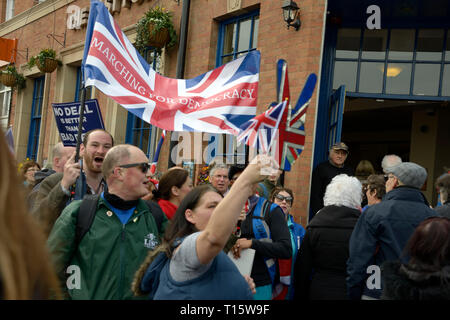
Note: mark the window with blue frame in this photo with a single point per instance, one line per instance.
(402, 62)
(5, 100)
(35, 118)
(138, 132)
(237, 37)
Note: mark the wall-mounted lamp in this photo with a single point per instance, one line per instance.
(291, 15)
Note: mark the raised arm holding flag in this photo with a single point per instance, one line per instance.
(280, 130)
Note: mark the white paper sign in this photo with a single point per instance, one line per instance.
(245, 262)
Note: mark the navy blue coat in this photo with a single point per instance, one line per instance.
(381, 234)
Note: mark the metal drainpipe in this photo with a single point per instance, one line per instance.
(181, 60)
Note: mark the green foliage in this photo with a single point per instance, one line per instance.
(20, 79)
(41, 56)
(161, 18)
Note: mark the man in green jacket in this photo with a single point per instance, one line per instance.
(266, 187)
(103, 264)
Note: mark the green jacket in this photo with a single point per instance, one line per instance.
(108, 255)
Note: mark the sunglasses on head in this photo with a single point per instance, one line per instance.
(143, 166)
(281, 198)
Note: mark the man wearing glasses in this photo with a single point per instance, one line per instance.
(383, 230)
(121, 234)
(56, 191)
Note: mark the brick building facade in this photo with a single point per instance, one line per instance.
(314, 48)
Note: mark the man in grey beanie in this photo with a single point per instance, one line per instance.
(383, 230)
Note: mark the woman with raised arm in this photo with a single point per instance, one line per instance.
(190, 263)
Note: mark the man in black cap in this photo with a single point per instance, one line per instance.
(383, 230)
(325, 172)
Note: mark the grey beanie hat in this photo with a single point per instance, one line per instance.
(409, 173)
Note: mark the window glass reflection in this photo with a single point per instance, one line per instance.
(374, 44)
(401, 44)
(446, 81)
(348, 43)
(245, 28)
(429, 44)
(228, 41)
(371, 77)
(426, 79)
(255, 33)
(447, 50)
(398, 78)
(345, 73)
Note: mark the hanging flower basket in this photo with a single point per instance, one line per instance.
(160, 38)
(155, 29)
(11, 78)
(45, 60)
(8, 79)
(48, 66)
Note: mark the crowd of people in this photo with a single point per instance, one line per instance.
(104, 228)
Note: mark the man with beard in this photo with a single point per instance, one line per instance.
(122, 231)
(54, 194)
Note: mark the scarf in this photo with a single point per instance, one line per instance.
(118, 202)
(168, 208)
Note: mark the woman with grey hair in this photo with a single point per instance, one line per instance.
(320, 267)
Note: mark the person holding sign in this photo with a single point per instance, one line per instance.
(55, 191)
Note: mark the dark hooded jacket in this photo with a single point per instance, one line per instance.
(444, 210)
(320, 267)
(381, 235)
(408, 282)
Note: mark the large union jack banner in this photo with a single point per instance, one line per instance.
(219, 101)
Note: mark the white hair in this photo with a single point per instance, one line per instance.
(390, 160)
(344, 191)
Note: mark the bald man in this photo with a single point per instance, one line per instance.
(120, 236)
(60, 155)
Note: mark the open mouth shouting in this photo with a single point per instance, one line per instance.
(98, 161)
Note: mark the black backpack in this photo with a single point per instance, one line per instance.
(88, 208)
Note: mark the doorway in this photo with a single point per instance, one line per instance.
(373, 128)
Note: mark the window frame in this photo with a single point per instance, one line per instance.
(5, 104)
(386, 60)
(229, 145)
(9, 9)
(35, 118)
(135, 127)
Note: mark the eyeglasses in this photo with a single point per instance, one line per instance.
(388, 176)
(143, 166)
(281, 198)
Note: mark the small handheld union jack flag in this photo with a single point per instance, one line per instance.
(260, 131)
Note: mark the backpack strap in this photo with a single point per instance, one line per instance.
(262, 231)
(157, 214)
(263, 186)
(85, 216)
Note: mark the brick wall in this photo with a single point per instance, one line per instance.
(301, 49)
